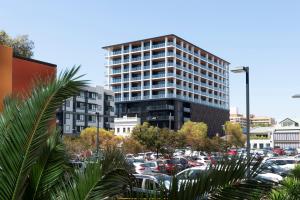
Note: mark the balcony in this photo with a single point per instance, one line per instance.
(136, 59)
(159, 45)
(136, 98)
(186, 109)
(114, 62)
(146, 67)
(170, 54)
(116, 71)
(116, 80)
(146, 87)
(136, 68)
(147, 57)
(160, 107)
(158, 86)
(135, 49)
(116, 52)
(170, 84)
(146, 97)
(147, 47)
(126, 70)
(136, 78)
(170, 43)
(136, 88)
(126, 50)
(170, 74)
(125, 79)
(116, 89)
(158, 75)
(146, 76)
(126, 89)
(158, 96)
(158, 65)
(126, 60)
(156, 118)
(158, 55)
(117, 99)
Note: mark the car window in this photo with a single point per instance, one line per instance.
(189, 174)
(150, 164)
(138, 182)
(149, 184)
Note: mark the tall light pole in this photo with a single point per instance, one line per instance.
(246, 70)
(97, 140)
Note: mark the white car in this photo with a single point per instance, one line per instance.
(287, 163)
(267, 176)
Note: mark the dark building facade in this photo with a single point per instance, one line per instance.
(172, 113)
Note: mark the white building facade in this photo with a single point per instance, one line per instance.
(79, 112)
(287, 134)
(261, 137)
(125, 125)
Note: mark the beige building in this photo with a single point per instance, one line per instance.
(255, 121)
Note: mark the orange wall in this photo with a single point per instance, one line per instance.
(17, 75)
(26, 72)
(5, 73)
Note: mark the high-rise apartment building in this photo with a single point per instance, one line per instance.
(79, 112)
(167, 80)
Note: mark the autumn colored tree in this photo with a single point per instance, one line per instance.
(234, 135)
(130, 145)
(195, 134)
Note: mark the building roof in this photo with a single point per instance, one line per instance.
(168, 35)
(36, 61)
(261, 129)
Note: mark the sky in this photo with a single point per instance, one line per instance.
(264, 35)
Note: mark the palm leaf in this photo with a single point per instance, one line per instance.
(25, 129)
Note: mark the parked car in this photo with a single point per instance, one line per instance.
(289, 151)
(173, 166)
(287, 163)
(183, 161)
(278, 151)
(266, 176)
(156, 166)
(189, 174)
(232, 152)
(141, 168)
(151, 184)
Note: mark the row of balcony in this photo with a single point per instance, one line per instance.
(186, 98)
(160, 45)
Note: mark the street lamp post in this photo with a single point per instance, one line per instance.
(246, 70)
(97, 140)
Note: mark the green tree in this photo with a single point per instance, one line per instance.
(195, 134)
(21, 45)
(234, 135)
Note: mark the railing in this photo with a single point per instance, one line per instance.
(117, 99)
(146, 67)
(146, 87)
(126, 60)
(116, 80)
(136, 59)
(146, 77)
(160, 107)
(146, 97)
(136, 68)
(116, 52)
(158, 96)
(146, 47)
(158, 85)
(125, 79)
(126, 51)
(125, 98)
(136, 88)
(158, 45)
(135, 49)
(158, 55)
(158, 75)
(147, 57)
(116, 71)
(126, 70)
(136, 98)
(136, 78)
(170, 74)
(116, 61)
(170, 43)
(126, 89)
(158, 65)
(116, 89)
(155, 118)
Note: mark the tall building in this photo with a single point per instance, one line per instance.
(167, 80)
(79, 112)
(18, 75)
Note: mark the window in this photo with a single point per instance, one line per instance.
(118, 130)
(99, 96)
(124, 130)
(79, 129)
(80, 117)
(99, 107)
(67, 128)
(128, 130)
(92, 107)
(67, 116)
(67, 103)
(92, 95)
(92, 118)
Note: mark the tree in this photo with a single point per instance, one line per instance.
(195, 134)
(216, 144)
(21, 45)
(130, 145)
(234, 135)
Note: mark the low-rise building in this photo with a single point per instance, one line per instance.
(79, 112)
(125, 125)
(287, 134)
(261, 137)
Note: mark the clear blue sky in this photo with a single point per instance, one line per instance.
(264, 35)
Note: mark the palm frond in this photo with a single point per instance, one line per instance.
(25, 129)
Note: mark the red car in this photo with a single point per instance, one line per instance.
(232, 152)
(172, 166)
(278, 151)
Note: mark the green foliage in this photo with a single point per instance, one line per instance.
(25, 128)
(195, 134)
(289, 190)
(21, 45)
(234, 135)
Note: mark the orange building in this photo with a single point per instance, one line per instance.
(17, 74)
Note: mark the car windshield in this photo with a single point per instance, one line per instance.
(138, 160)
(165, 180)
(150, 164)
